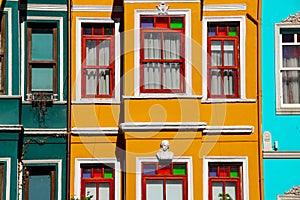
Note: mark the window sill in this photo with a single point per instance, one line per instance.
(288, 111)
(163, 96)
(53, 102)
(228, 101)
(97, 101)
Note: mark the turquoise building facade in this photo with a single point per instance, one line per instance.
(280, 96)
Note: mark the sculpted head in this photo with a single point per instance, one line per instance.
(164, 145)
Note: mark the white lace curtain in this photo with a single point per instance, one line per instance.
(153, 70)
(290, 77)
(97, 54)
(218, 85)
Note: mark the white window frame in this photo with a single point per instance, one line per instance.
(280, 107)
(188, 57)
(60, 54)
(117, 47)
(7, 174)
(227, 159)
(77, 175)
(186, 159)
(55, 162)
(242, 54)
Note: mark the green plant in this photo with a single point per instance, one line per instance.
(89, 197)
(225, 196)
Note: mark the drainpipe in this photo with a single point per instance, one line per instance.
(68, 101)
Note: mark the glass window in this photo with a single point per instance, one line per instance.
(42, 59)
(97, 60)
(40, 183)
(162, 50)
(223, 59)
(225, 181)
(97, 181)
(164, 181)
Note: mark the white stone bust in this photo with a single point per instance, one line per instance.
(164, 153)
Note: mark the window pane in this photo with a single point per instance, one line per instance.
(291, 87)
(179, 169)
(104, 82)
(42, 44)
(91, 59)
(154, 189)
(104, 53)
(40, 187)
(162, 22)
(216, 53)
(152, 45)
(230, 188)
(90, 189)
(216, 82)
(288, 38)
(291, 56)
(229, 53)
(174, 190)
(228, 82)
(212, 30)
(87, 173)
(176, 22)
(42, 79)
(172, 76)
(104, 191)
(149, 169)
(217, 190)
(171, 45)
(213, 171)
(91, 81)
(147, 22)
(108, 172)
(234, 172)
(232, 31)
(152, 76)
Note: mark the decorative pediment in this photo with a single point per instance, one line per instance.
(292, 194)
(162, 8)
(292, 19)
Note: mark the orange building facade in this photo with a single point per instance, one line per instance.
(165, 100)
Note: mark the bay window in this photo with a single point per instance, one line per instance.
(162, 54)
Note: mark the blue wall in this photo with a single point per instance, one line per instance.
(284, 128)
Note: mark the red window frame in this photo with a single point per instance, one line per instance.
(97, 178)
(98, 35)
(222, 34)
(225, 177)
(162, 28)
(164, 172)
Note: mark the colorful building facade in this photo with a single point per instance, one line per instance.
(165, 100)
(280, 108)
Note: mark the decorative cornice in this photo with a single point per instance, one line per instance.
(44, 7)
(281, 154)
(45, 131)
(292, 19)
(160, 126)
(176, 96)
(228, 100)
(90, 8)
(224, 7)
(228, 130)
(95, 131)
(293, 191)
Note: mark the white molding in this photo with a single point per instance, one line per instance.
(212, 100)
(4, 127)
(228, 130)
(157, 126)
(188, 46)
(9, 52)
(157, 1)
(224, 7)
(61, 52)
(166, 96)
(7, 174)
(93, 8)
(233, 159)
(190, 177)
(281, 154)
(36, 131)
(96, 131)
(44, 7)
(10, 96)
(113, 100)
(77, 173)
(242, 21)
(280, 107)
(58, 162)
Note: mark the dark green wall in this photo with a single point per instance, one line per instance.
(10, 110)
